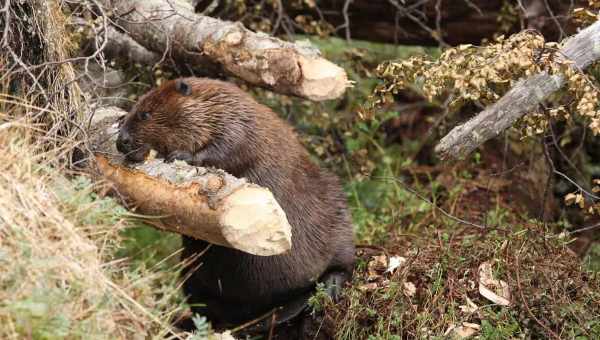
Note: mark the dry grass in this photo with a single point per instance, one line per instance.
(56, 241)
(59, 277)
(551, 295)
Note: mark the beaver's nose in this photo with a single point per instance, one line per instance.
(124, 142)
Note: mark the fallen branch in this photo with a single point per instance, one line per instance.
(207, 204)
(122, 45)
(171, 26)
(525, 96)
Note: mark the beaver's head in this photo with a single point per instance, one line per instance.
(183, 114)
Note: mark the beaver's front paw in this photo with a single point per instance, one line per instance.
(334, 283)
(179, 155)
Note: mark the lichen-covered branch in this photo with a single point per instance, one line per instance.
(170, 26)
(525, 96)
(207, 204)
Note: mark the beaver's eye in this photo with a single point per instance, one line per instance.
(144, 115)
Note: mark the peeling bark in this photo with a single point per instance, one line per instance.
(206, 204)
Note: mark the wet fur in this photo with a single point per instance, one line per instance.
(226, 128)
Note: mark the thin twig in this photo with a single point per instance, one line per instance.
(582, 229)
(347, 18)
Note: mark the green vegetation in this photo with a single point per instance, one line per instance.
(58, 275)
(75, 264)
(552, 291)
(381, 167)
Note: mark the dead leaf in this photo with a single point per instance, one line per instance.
(368, 287)
(464, 331)
(492, 289)
(394, 263)
(376, 267)
(410, 289)
(472, 325)
(470, 307)
(222, 336)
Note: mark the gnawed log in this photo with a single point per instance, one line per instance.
(207, 204)
(525, 96)
(171, 26)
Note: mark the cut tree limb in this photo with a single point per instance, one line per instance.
(203, 203)
(171, 26)
(206, 204)
(583, 49)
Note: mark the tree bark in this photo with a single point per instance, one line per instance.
(121, 45)
(170, 26)
(206, 204)
(582, 49)
(452, 22)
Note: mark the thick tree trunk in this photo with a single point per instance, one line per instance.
(169, 27)
(453, 22)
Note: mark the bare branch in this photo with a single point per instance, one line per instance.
(122, 45)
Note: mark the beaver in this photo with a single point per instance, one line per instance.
(213, 123)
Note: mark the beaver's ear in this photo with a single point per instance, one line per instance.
(182, 87)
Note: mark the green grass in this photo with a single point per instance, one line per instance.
(592, 260)
(145, 245)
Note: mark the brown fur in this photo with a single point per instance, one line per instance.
(226, 128)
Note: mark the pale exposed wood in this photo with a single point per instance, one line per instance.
(207, 204)
(203, 203)
(170, 26)
(525, 96)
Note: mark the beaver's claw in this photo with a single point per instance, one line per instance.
(179, 156)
